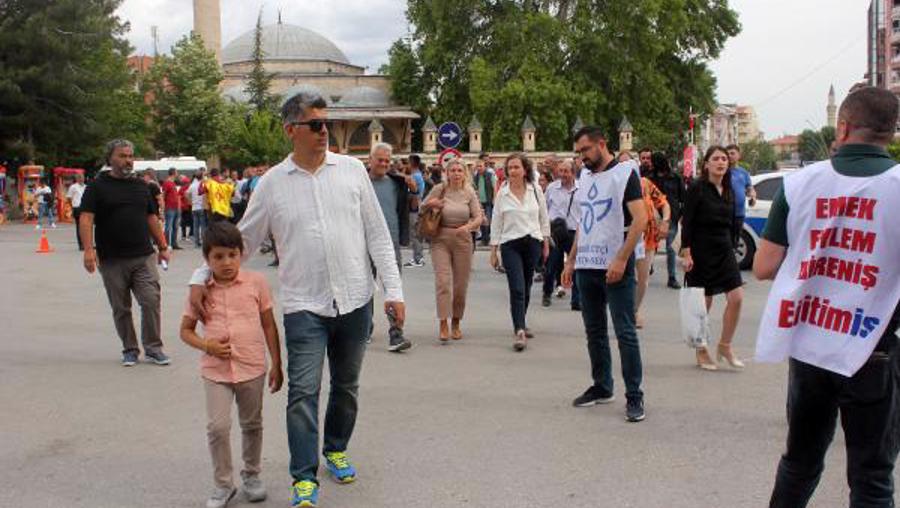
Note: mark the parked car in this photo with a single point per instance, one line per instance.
(767, 186)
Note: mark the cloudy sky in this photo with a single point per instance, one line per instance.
(784, 60)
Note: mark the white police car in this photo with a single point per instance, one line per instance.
(767, 186)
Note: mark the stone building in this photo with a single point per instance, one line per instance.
(302, 60)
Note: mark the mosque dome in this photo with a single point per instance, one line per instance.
(283, 42)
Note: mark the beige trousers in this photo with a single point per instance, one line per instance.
(249, 396)
(451, 256)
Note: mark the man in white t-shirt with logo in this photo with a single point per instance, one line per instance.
(831, 245)
(612, 221)
(73, 195)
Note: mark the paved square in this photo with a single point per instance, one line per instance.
(467, 424)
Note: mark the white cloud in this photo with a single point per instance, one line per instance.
(788, 55)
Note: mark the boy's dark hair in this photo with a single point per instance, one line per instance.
(214, 172)
(733, 147)
(415, 161)
(222, 234)
(173, 171)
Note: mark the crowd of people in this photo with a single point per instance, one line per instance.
(590, 224)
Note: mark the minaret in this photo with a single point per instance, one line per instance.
(832, 109)
(208, 25)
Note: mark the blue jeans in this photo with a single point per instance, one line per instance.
(595, 294)
(199, 225)
(520, 257)
(172, 217)
(486, 225)
(309, 337)
(670, 251)
(45, 210)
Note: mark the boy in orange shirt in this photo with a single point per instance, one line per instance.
(240, 327)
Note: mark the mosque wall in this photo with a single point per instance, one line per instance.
(297, 67)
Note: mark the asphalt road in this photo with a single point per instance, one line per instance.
(468, 424)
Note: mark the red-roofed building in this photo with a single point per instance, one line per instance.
(787, 147)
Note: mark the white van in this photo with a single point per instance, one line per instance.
(185, 165)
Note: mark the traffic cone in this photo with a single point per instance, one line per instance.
(44, 246)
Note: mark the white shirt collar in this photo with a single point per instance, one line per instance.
(290, 166)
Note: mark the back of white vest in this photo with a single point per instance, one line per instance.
(840, 280)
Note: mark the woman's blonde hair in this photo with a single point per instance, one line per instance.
(467, 175)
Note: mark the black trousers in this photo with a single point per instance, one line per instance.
(868, 407)
(520, 256)
(76, 213)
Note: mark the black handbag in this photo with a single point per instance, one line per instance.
(559, 228)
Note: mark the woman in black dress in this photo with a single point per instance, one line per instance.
(708, 249)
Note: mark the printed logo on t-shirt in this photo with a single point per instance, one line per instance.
(595, 210)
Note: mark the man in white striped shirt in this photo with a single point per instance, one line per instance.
(322, 211)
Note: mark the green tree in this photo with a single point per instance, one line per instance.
(814, 145)
(758, 156)
(188, 112)
(559, 59)
(259, 81)
(894, 150)
(253, 137)
(64, 85)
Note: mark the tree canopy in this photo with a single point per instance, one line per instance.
(188, 112)
(816, 145)
(65, 88)
(559, 59)
(259, 81)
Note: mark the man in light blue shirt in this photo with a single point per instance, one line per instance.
(743, 189)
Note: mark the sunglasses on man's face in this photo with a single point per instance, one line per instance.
(314, 125)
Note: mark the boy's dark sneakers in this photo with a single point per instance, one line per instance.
(634, 410)
(398, 344)
(158, 358)
(396, 341)
(592, 397)
(129, 359)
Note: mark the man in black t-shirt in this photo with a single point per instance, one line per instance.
(126, 218)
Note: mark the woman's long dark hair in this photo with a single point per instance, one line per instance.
(660, 163)
(727, 192)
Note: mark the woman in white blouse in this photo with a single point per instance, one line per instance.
(520, 230)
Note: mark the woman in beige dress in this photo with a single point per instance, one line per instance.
(451, 250)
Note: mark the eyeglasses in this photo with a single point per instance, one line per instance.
(315, 125)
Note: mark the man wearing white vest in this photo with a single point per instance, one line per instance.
(831, 244)
(612, 219)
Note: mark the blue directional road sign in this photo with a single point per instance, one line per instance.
(449, 135)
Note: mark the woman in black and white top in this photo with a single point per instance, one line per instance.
(520, 231)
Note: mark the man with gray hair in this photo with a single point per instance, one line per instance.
(329, 230)
(392, 190)
(126, 217)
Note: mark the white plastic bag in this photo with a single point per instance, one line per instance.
(694, 318)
